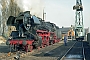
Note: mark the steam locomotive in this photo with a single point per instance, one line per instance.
(31, 32)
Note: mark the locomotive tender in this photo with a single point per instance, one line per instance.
(31, 32)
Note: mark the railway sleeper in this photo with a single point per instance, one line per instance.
(73, 57)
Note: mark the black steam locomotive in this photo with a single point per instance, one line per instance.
(31, 32)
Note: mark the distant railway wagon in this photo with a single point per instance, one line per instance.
(31, 32)
(88, 38)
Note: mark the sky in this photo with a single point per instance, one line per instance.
(61, 12)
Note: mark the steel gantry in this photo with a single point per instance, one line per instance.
(79, 26)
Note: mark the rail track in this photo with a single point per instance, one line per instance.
(20, 54)
(76, 46)
(75, 52)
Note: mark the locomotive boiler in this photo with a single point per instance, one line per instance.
(31, 32)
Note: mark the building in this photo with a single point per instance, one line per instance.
(69, 31)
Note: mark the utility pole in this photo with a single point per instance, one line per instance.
(44, 15)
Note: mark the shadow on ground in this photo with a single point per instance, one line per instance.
(58, 52)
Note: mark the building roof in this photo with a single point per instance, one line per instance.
(65, 29)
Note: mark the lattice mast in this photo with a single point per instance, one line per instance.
(79, 27)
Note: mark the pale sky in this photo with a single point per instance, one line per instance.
(61, 12)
